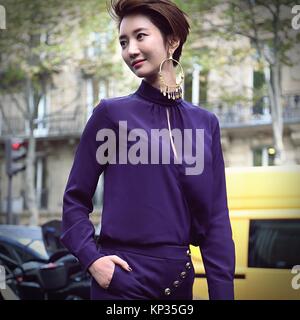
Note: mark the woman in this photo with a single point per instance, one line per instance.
(153, 209)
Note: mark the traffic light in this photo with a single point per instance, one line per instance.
(15, 154)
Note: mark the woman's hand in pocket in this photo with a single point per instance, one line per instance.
(103, 268)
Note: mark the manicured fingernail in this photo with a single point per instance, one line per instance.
(129, 268)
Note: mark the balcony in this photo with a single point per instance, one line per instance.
(66, 124)
(239, 115)
(242, 117)
(230, 116)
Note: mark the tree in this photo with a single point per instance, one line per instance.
(41, 37)
(205, 47)
(267, 25)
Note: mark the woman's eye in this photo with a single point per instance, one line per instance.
(140, 34)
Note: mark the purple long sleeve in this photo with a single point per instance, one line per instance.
(146, 203)
(78, 230)
(217, 247)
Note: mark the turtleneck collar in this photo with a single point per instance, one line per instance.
(151, 93)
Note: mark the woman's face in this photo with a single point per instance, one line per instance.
(140, 39)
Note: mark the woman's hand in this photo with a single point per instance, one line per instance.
(103, 268)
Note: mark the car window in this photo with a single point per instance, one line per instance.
(274, 243)
(29, 237)
(37, 246)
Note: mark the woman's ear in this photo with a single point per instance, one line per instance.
(173, 44)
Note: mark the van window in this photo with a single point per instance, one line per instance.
(274, 243)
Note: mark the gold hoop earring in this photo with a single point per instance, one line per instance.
(171, 91)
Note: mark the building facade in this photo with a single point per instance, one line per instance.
(247, 136)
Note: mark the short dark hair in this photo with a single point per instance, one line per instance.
(164, 14)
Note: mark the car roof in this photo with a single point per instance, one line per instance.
(13, 231)
(259, 188)
(26, 236)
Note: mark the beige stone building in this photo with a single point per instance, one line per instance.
(246, 128)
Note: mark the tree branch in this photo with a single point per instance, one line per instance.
(253, 23)
(266, 5)
(58, 112)
(15, 100)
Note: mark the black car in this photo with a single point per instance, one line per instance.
(38, 267)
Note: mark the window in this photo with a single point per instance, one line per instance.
(188, 81)
(274, 243)
(95, 91)
(41, 112)
(89, 97)
(40, 182)
(263, 156)
(201, 79)
(98, 43)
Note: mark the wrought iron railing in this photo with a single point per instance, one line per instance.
(259, 114)
(63, 124)
(70, 124)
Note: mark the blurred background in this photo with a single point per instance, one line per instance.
(58, 59)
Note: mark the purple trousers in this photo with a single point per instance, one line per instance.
(162, 272)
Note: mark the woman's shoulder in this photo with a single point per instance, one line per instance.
(113, 104)
(201, 112)
(108, 102)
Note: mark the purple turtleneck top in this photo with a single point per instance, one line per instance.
(152, 203)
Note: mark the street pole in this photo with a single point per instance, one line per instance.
(9, 204)
(15, 152)
(196, 84)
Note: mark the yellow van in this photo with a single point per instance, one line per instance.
(264, 206)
